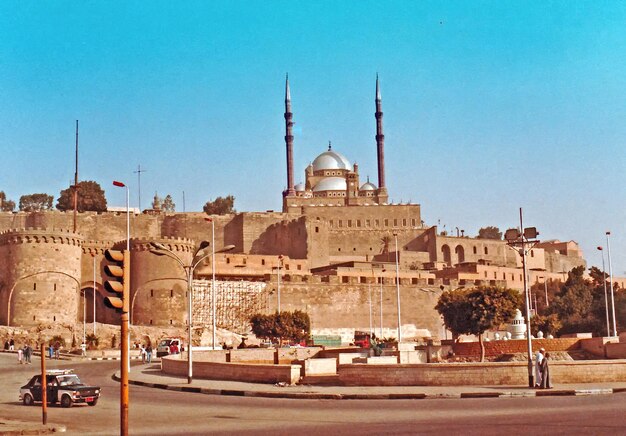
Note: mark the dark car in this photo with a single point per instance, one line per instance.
(63, 387)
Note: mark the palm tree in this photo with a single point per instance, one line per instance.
(385, 240)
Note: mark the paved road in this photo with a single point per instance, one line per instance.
(155, 411)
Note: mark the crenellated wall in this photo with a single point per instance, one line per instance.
(39, 277)
(158, 282)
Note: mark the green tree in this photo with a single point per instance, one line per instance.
(580, 305)
(489, 232)
(90, 198)
(292, 326)
(6, 205)
(548, 324)
(167, 205)
(220, 206)
(36, 202)
(476, 310)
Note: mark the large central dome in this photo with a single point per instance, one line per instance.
(331, 160)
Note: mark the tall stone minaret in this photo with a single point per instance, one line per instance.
(380, 146)
(289, 141)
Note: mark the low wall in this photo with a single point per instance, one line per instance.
(253, 355)
(616, 350)
(296, 355)
(492, 373)
(254, 373)
(326, 366)
(513, 346)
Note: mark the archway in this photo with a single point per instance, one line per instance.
(447, 258)
(460, 253)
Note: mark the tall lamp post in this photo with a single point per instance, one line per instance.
(608, 252)
(606, 297)
(280, 262)
(213, 311)
(94, 293)
(395, 235)
(198, 257)
(522, 239)
(381, 303)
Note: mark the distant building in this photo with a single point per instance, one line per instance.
(331, 252)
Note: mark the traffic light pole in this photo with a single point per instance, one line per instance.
(124, 377)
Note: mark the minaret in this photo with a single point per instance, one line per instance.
(290, 192)
(380, 145)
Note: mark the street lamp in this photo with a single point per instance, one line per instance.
(608, 251)
(280, 262)
(395, 235)
(213, 312)
(160, 250)
(606, 297)
(381, 303)
(94, 293)
(515, 238)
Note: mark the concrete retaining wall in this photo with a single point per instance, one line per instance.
(616, 351)
(497, 373)
(496, 348)
(320, 367)
(254, 373)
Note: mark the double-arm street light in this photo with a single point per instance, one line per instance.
(198, 257)
(395, 235)
(524, 240)
(608, 252)
(606, 298)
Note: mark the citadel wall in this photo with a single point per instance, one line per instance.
(39, 277)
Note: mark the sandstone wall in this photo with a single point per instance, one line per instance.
(39, 276)
(496, 348)
(495, 373)
(159, 283)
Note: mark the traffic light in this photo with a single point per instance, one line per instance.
(119, 272)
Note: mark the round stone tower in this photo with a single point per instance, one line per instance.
(158, 282)
(40, 281)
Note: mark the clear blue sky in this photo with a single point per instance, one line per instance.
(488, 106)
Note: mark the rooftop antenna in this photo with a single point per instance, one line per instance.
(76, 180)
(138, 172)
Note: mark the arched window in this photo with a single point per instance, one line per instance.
(447, 258)
(460, 254)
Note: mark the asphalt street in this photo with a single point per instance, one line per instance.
(156, 411)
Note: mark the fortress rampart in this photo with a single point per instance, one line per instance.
(40, 277)
(332, 258)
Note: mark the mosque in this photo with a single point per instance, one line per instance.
(338, 250)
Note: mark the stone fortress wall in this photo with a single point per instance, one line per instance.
(332, 260)
(40, 276)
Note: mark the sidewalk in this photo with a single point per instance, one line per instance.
(150, 375)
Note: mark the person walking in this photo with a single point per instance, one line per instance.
(545, 373)
(142, 350)
(57, 350)
(20, 356)
(11, 345)
(28, 351)
(538, 359)
(149, 353)
(50, 351)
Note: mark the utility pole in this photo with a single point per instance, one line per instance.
(138, 172)
(521, 239)
(76, 180)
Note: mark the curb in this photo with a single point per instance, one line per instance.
(396, 396)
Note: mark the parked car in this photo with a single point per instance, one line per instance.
(63, 387)
(165, 346)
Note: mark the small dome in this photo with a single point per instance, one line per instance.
(331, 160)
(299, 187)
(368, 187)
(331, 184)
